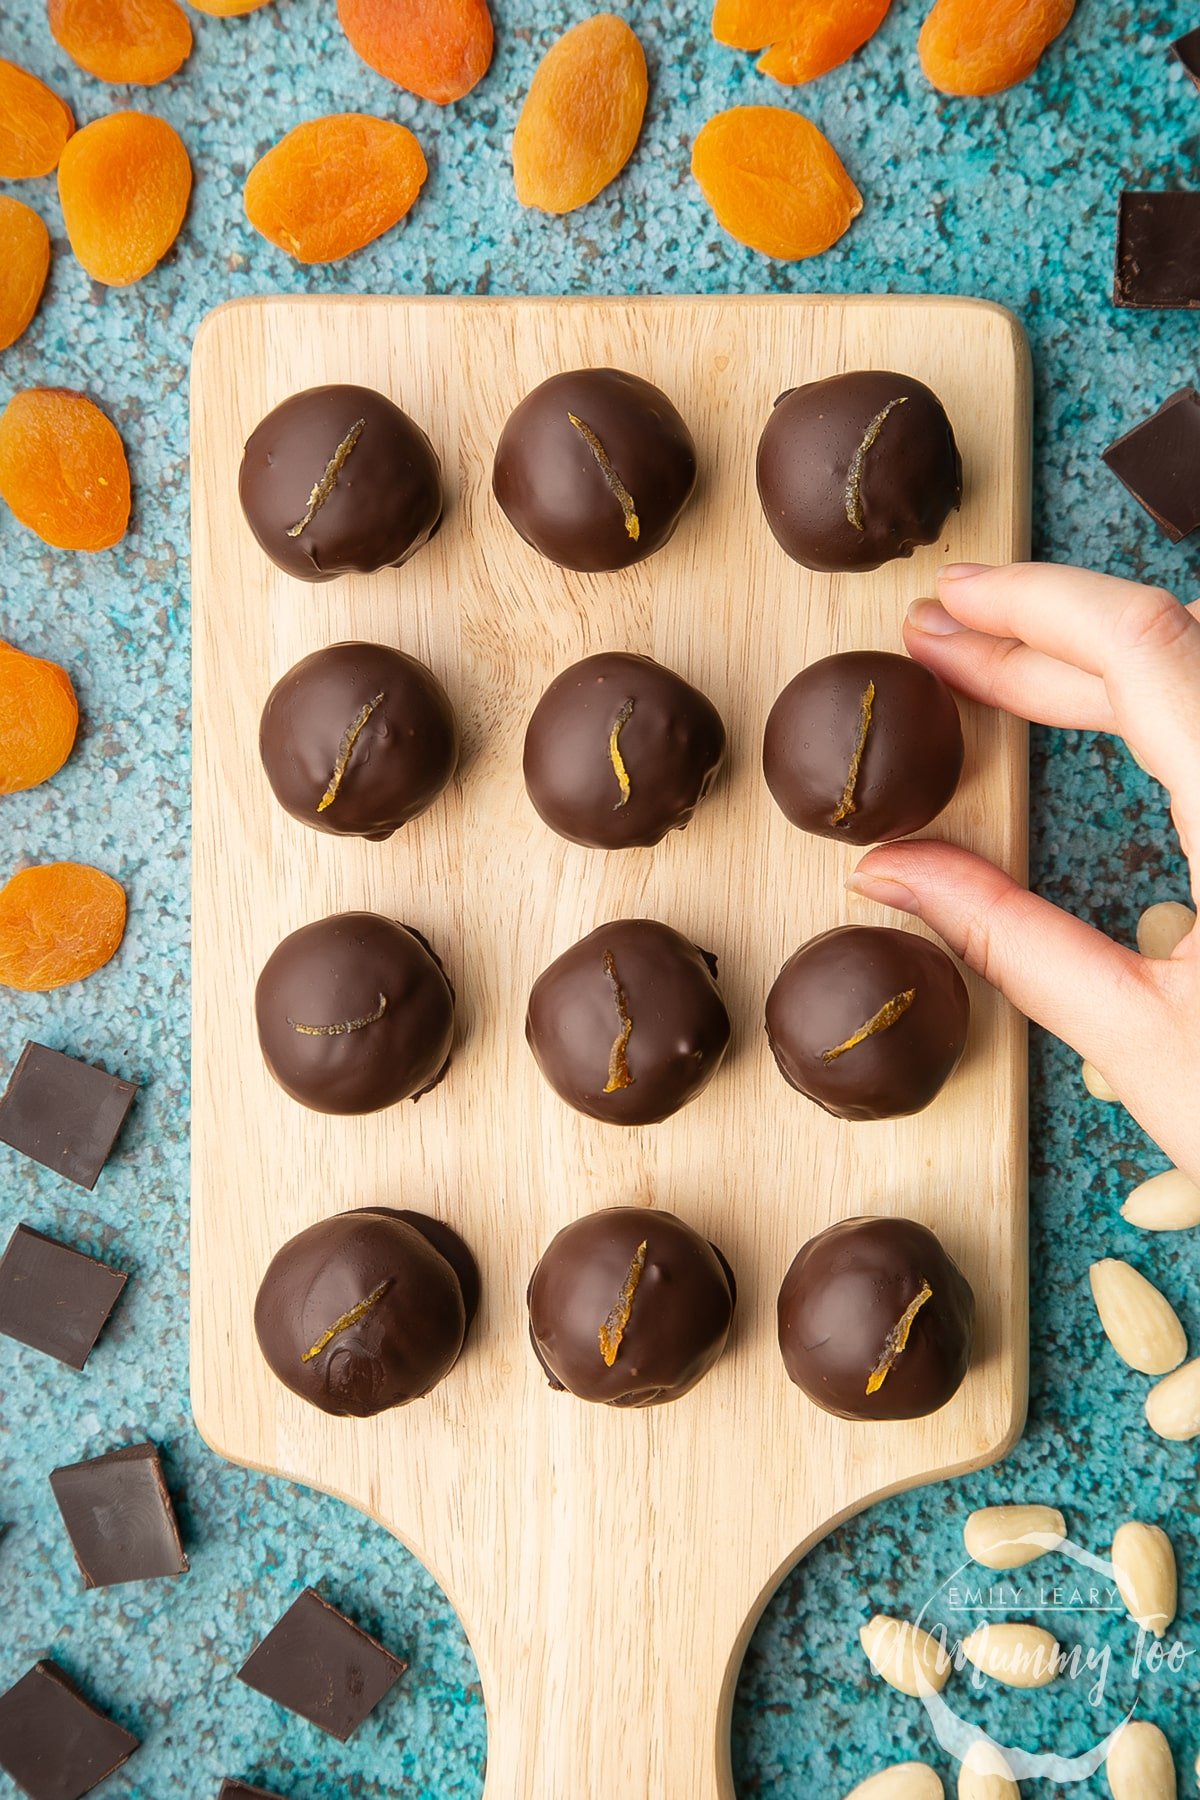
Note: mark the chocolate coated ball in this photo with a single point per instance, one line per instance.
(630, 1307)
(876, 1321)
(857, 470)
(869, 1022)
(354, 1013)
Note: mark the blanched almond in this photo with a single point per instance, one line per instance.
(906, 1657)
(1140, 1765)
(905, 1781)
(1098, 1085)
(1144, 1561)
(1008, 1537)
(985, 1775)
(1139, 1322)
(1162, 928)
(1173, 1407)
(1167, 1202)
(1018, 1654)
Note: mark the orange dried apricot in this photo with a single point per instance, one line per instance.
(39, 716)
(59, 922)
(34, 124)
(438, 49)
(984, 46)
(139, 41)
(63, 469)
(333, 185)
(802, 38)
(228, 9)
(582, 116)
(774, 181)
(124, 182)
(23, 266)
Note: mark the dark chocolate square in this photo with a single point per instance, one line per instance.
(241, 1790)
(64, 1113)
(53, 1298)
(1159, 462)
(119, 1517)
(1187, 49)
(320, 1665)
(55, 1744)
(1158, 251)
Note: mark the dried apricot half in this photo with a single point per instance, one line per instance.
(124, 182)
(802, 38)
(228, 9)
(774, 181)
(438, 49)
(139, 41)
(59, 922)
(63, 469)
(582, 116)
(39, 716)
(984, 46)
(34, 124)
(23, 266)
(333, 185)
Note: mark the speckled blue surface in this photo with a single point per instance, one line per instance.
(1013, 200)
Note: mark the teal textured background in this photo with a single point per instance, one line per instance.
(1013, 200)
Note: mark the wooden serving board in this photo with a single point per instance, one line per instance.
(608, 1566)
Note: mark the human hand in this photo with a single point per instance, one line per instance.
(1066, 647)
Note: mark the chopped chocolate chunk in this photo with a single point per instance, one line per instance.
(320, 1665)
(1159, 462)
(1187, 49)
(53, 1298)
(119, 1517)
(241, 1790)
(55, 1744)
(1158, 251)
(63, 1113)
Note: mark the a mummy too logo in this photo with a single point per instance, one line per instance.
(1098, 1635)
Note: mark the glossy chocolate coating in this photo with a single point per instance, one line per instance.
(845, 487)
(383, 504)
(552, 484)
(842, 982)
(679, 1029)
(670, 742)
(847, 1291)
(907, 724)
(358, 739)
(405, 1339)
(383, 986)
(678, 1321)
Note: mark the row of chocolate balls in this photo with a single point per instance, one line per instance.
(355, 1013)
(627, 1307)
(359, 739)
(594, 469)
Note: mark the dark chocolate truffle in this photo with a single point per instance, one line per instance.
(864, 747)
(629, 1025)
(619, 751)
(594, 469)
(358, 739)
(869, 1022)
(339, 481)
(858, 470)
(630, 1307)
(876, 1321)
(355, 1013)
(367, 1310)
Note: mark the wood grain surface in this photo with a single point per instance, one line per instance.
(608, 1566)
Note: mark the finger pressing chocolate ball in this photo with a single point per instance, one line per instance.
(876, 1321)
(629, 1024)
(358, 739)
(367, 1310)
(594, 469)
(857, 470)
(619, 751)
(863, 747)
(868, 1022)
(339, 481)
(355, 1013)
(630, 1307)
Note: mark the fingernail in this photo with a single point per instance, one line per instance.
(962, 571)
(882, 889)
(931, 617)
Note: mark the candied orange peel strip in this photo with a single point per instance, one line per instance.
(614, 754)
(858, 463)
(866, 714)
(342, 1027)
(897, 1340)
(618, 1059)
(350, 737)
(620, 493)
(889, 1013)
(614, 1327)
(328, 481)
(348, 1319)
